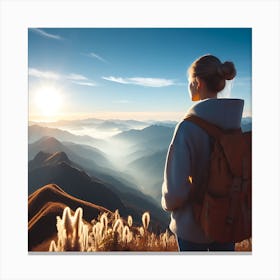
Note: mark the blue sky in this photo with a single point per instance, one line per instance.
(126, 73)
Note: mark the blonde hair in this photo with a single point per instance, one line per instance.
(214, 73)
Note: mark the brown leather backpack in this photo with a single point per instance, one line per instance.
(223, 205)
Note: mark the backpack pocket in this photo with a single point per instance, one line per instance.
(214, 218)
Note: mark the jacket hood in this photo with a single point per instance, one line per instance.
(223, 112)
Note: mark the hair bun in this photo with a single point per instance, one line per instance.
(228, 70)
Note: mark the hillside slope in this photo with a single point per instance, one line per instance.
(45, 204)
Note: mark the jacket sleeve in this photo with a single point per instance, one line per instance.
(176, 183)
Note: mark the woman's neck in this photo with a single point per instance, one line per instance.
(207, 94)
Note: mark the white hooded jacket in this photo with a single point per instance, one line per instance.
(188, 156)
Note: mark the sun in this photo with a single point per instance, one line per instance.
(48, 101)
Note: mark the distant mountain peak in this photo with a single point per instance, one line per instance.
(154, 126)
(44, 159)
(50, 139)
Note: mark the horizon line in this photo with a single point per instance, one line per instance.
(137, 116)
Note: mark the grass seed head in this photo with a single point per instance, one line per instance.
(53, 247)
(117, 214)
(146, 220)
(125, 234)
(67, 220)
(109, 232)
(129, 221)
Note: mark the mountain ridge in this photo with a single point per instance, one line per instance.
(35, 132)
(94, 189)
(44, 205)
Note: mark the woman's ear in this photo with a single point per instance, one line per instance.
(196, 90)
(200, 83)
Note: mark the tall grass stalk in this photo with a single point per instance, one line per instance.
(110, 232)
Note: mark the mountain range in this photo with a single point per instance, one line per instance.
(146, 152)
(148, 172)
(90, 159)
(123, 172)
(85, 155)
(36, 132)
(135, 157)
(100, 124)
(108, 191)
(57, 169)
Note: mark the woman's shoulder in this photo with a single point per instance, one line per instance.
(187, 128)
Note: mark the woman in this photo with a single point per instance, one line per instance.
(189, 151)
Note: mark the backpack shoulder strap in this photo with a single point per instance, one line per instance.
(210, 128)
(232, 142)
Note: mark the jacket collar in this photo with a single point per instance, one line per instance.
(223, 112)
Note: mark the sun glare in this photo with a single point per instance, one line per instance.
(48, 101)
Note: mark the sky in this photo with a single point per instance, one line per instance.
(127, 73)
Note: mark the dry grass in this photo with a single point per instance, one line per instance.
(110, 232)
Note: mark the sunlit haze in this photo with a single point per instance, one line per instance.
(48, 101)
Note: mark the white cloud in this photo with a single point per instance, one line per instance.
(140, 81)
(45, 34)
(116, 80)
(152, 82)
(76, 77)
(89, 84)
(44, 74)
(50, 75)
(94, 55)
